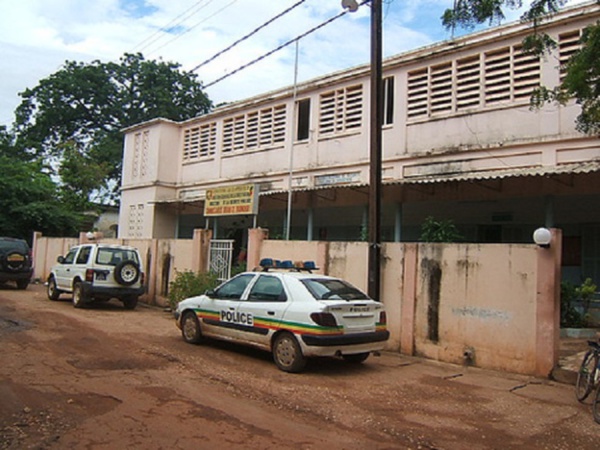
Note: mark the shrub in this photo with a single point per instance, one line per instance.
(569, 316)
(439, 231)
(189, 284)
(570, 294)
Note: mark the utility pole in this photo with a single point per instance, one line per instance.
(376, 121)
(375, 154)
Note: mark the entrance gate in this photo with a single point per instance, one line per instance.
(220, 256)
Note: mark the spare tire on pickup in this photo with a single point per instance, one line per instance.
(127, 272)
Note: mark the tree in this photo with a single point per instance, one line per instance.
(582, 80)
(84, 107)
(29, 202)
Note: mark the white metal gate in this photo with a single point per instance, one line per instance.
(220, 255)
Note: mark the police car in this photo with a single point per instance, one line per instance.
(291, 312)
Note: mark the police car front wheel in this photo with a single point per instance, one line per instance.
(287, 353)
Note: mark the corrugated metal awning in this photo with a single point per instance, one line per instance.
(573, 168)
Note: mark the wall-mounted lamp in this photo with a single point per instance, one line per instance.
(542, 237)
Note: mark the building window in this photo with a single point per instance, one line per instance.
(341, 110)
(526, 73)
(494, 77)
(568, 44)
(440, 90)
(199, 141)
(388, 100)
(417, 93)
(497, 76)
(303, 119)
(141, 144)
(255, 129)
(468, 75)
(135, 222)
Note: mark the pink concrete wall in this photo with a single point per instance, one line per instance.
(161, 258)
(493, 306)
(497, 303)
(479, 299)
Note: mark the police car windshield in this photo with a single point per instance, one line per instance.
(328, 289)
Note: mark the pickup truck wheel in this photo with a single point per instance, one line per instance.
(78, 296)
(190, 328)
(52, 291)
(127, 272)
(130, 302)
(287, 353)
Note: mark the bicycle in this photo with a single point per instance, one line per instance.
(588, 378)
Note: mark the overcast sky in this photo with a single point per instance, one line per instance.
(38, 36)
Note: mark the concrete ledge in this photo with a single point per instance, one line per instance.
(579, 332)
(563, 375)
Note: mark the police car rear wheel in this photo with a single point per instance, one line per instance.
(287, 354)
(190, 328)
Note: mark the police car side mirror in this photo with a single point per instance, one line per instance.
(210, 293)
(60, 259)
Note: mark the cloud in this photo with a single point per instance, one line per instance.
(37, 36)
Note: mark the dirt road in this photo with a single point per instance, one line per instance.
(106, 378)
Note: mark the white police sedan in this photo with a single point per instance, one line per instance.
(292, 313)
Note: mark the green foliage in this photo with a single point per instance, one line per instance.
(582, 80)
(29, 202)
(189, 284)
(585, 293)
(570, 295)
(569, 316)
(238, 268)
(439, 231)
(84, 107)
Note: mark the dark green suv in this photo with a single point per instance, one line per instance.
(15, 262)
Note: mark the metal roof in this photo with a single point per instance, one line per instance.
(573, 168)
(538, 171)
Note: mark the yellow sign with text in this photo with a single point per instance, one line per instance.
(231, 200)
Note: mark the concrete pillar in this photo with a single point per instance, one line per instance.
(201, 241)
(409, 299)
(151, 271)
(310, 224)
(256, 236)
(548, 305)
(398, 223)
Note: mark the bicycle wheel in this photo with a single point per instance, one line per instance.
(586, 375)
(596, 406)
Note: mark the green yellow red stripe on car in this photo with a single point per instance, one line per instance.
(274, 324)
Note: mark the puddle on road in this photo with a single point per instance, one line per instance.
(112, 364)
(8, 325)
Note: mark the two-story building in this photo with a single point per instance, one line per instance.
(460, 142)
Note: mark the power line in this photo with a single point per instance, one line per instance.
(253, 32)
(260, 58)
(173, 23)
(196, 25)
